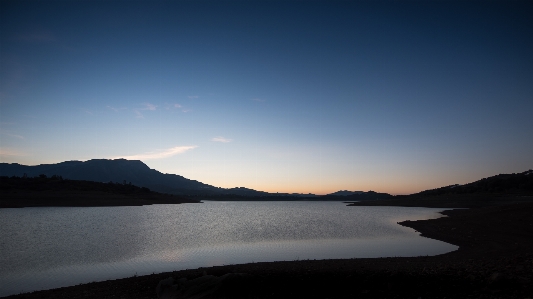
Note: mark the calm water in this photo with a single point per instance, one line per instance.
(42, 248)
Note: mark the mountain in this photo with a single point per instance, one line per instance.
(345, 193)
(514, 183)
(43, 191)
(139, 174)
(357, 196)
(119, 171)
(124, 171)
(491, 191)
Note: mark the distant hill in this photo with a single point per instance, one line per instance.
(134, 172)
(55, 191)
(345, 193)
(119, 171)
(515, 183)
(124, 172)
(359, 196)
(496, 190)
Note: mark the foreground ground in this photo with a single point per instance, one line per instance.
(495, 260)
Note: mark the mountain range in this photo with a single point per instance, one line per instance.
(119, 171)
(139, 174)
(123, 171)
(512, 183)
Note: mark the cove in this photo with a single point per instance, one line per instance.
(43, 248)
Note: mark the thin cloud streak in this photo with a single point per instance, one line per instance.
(87, 111)
(193, 97)
(11, 135)
(138, 114)
(147, 107)
(160, 154)
(150, 107)
(116, 109)
(221, 139)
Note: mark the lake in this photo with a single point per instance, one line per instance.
(43, 248)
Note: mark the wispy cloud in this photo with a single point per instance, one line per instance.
(221, 139)
(3, 132)
(147, 107)
(87, 111)
(10, 152)
(177, 106)
(138, 114)
(115, 109)
(193, 97)
(160, 154)
(172, 106)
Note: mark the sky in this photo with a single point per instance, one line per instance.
(277, 96)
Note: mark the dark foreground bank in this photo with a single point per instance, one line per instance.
(495, 260)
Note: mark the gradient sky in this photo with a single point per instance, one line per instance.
(279, 96)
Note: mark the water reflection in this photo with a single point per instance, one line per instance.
(44, 238)
(52, 247)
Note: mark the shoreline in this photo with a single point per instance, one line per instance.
(31, 199)
(494, 259)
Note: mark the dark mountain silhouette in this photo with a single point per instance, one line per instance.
(16, 192)
(359, 196)
(344, 193)
(139, 174)
(242, 191)
(515, 183)
(119, 170)
(124, 172)
(496, 190)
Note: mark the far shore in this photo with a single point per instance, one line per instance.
(494, 260)
(449, 201)
(67, 198)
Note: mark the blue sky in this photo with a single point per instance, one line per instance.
(280, 96)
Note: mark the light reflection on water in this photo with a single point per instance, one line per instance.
(42, 248)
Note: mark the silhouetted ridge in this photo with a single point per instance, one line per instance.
(345, 193)
(357, 195)
(54, 191)
(519, 183)
(57, 183)
(118, 170)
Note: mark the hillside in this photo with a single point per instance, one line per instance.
(56, 191)
(515, 183)
(121, 172)
(359, 196)
(117, 171)
(125, 172)
(496, 190)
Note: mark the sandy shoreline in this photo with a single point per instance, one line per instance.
(494, 260)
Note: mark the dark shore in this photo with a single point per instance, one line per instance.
(449, 200)
(25, 198)
(55, 191)
(494, 260)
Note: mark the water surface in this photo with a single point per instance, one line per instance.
(42, 248)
